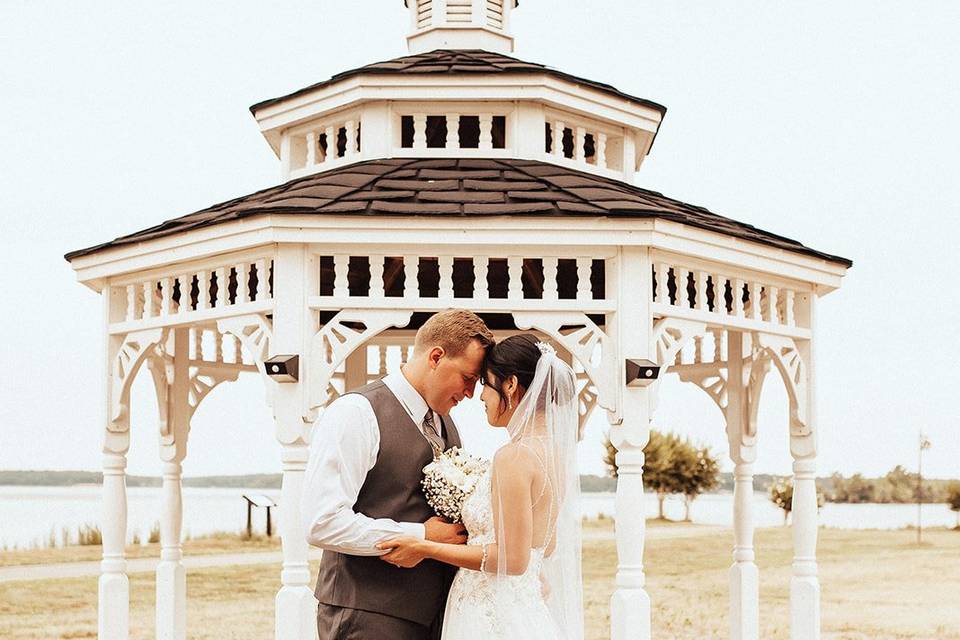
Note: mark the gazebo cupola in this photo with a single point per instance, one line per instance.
(460, 24)
(465, 100)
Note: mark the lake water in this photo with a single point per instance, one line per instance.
(29, 514)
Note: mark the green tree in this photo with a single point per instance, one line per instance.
(672, 466)
(699, 472)
(953, 499)
(781, 494)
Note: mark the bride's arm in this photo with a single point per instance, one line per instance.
(513, 524)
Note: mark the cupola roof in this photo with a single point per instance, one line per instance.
(453, 62)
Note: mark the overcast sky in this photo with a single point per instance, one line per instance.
(834, 123)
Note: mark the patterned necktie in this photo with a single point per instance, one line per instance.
(432, 433)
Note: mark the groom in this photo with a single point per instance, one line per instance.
(362, 486)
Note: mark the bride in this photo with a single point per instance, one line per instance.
(520, 569)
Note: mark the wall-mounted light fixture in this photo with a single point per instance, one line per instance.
(640, 373)
(283, 368)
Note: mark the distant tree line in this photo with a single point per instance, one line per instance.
(898, 486)
(72, 478)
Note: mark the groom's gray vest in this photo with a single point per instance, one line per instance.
(391, 490)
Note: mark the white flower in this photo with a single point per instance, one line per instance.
(449, 479)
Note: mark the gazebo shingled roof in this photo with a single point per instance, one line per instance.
(461, 187)
(457, 61)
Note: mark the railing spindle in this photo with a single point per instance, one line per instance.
(341, 267)
(584, 290)
(453, 131)
(480, 267)
(376, 276)
(515, 278)
(446, 276)
(166, 296)
(550, 279)
(738, 297)
(420, 131)
(486, 131)
(411, 269)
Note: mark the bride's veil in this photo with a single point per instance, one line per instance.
(543, 438)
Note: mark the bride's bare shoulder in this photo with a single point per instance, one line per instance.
(516, 459)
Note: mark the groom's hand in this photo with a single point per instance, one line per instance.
(438, 529)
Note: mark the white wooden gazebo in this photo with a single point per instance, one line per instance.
(457, 176)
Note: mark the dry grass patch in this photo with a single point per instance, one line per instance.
(876, 584)
(213, 543)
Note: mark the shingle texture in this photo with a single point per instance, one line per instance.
(458, 61)
(461, 187)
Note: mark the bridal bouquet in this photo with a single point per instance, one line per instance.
(449, 479)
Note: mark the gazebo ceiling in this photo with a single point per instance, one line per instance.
(455, 62)
(461, 187)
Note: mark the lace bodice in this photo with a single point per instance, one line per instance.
(481, 591)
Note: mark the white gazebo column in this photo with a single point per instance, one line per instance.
(744, 575)
(113, 614)
(804, 584)
(294, 324)
(171, 575)
(630, 336)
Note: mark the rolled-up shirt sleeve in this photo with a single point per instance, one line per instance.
(344, 447)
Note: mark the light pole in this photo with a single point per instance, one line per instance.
(923, 445)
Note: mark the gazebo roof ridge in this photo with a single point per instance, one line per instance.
(423, 187)
(438, 62)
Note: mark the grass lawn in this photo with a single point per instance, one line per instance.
(876, 585)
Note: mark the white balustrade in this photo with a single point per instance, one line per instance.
(317, 147)
(594, 147)
(765, 303)
(454, 283)
(169, 298)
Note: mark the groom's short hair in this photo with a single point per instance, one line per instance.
(453, 330)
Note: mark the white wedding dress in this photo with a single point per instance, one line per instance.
(485, 605)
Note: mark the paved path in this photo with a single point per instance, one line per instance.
(149, 565)
(138, 565)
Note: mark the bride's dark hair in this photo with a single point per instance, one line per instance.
(513, 356)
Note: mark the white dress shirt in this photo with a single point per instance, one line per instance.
(346, 441)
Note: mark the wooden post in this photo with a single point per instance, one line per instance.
(631, 336)
(269, 526)
(249, 518)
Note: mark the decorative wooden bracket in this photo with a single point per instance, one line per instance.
(340, 337)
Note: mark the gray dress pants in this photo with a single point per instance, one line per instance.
(341, 623)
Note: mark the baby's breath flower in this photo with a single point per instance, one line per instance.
(449, 479)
